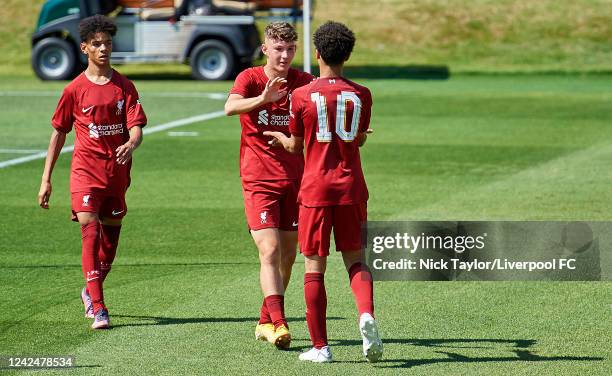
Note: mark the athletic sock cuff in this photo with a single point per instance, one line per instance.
(313, 277)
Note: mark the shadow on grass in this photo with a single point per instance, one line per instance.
(160, 320)
(518, 347)
(414, 72)
(411, 72)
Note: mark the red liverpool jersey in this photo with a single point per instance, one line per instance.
(101, 116)
(330, 113)
(259, 160)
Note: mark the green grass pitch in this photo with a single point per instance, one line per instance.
(184, 295)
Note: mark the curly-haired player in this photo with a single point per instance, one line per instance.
(104, 109)
(331, 118)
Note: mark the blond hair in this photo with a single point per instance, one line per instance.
(282, 31)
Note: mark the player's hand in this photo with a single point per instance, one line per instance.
(44, 194)
(364, 136)
(272, 92)
(277, 138)
(124, 152)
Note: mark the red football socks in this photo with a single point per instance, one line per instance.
(363, 288)
(276, 308)
(264, 315)
(90, 234)
(316, 307)
(109, 239)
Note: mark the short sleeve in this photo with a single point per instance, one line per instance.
(296, 123)
(63, 118)
(242, 85)
(366, 111)
(135, 115)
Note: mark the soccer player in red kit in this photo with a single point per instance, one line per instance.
(331, 118)
(270, 176)
(103, 108)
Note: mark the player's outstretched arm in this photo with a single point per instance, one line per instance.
(293, 144)
(124, 152)
(237, 104)
(56, 143)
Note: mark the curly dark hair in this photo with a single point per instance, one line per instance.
(335, 42)
(96, 24)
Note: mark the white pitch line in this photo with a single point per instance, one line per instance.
(19, 151)
(32, 157)
(183, 134)
(181, 122)
(146, 130)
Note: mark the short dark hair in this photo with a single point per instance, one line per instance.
(335, 42)
(96, 24)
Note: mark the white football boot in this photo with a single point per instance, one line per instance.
(372, 345)
(322, 355)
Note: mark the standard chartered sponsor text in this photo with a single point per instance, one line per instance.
(107, 130)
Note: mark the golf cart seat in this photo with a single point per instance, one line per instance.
(152, 10)
(233, 7)
(162, 13)
(269, 4)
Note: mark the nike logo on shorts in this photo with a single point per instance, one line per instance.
(87, 109)
(294, 224)
(115, 212)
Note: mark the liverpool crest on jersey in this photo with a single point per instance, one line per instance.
(120, 106)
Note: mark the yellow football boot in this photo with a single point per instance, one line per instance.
(282, 338)
(265, 332)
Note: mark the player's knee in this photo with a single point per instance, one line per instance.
(351, 257)
(110, 221)
(288, 259)
(269, 254)
(85, 218)
(315, 264)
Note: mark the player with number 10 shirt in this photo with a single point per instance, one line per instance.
(330, 118)
(333, 175)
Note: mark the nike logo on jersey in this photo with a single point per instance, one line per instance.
(87, 109)
(115, 212)
(294, 224)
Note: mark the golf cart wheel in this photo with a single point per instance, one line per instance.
(53, 59)
(212, 60)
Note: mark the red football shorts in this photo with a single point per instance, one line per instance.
(112, 207)
(271, 204)
(316, 224)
